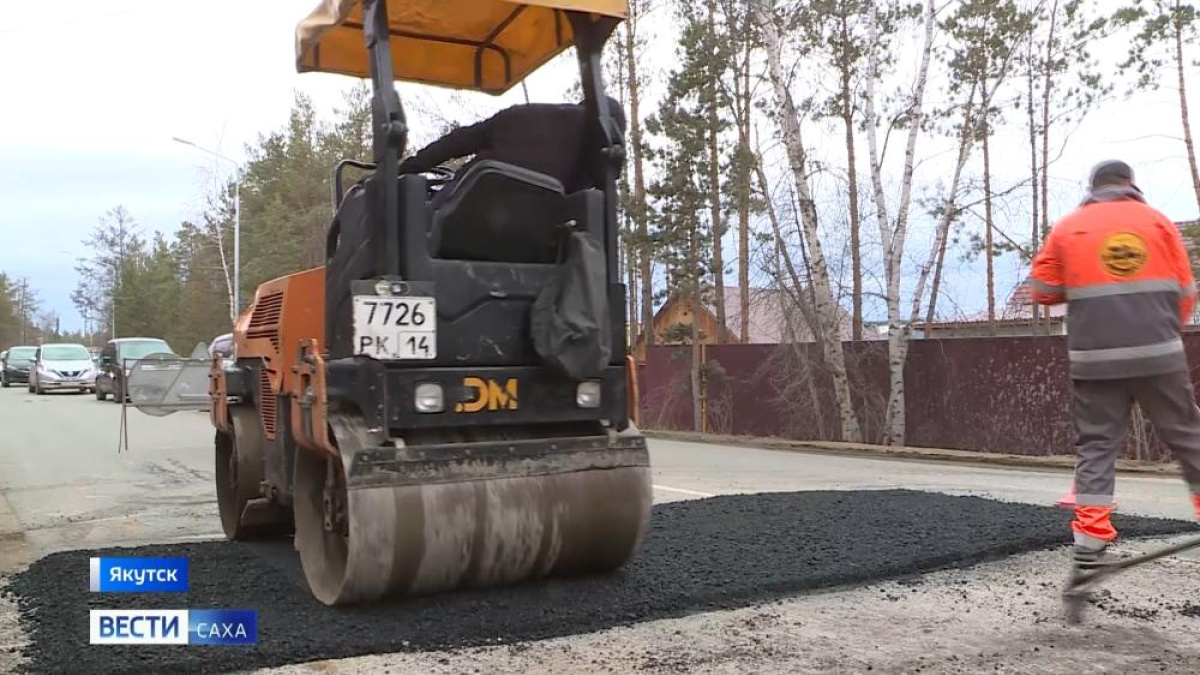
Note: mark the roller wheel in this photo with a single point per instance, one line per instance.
(322, 531)
(240, 471)
(361, 542)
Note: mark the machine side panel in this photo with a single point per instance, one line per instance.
(285, 311)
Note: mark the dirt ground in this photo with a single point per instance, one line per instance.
(1001, 617)
(720, 562)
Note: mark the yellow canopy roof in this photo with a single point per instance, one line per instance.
(486, 45)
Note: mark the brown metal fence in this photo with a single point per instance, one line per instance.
(1009, 395)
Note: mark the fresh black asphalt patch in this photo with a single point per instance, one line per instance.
(723, 552)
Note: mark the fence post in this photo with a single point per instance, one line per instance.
(703, 388)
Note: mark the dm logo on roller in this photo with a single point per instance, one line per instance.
(139, 575)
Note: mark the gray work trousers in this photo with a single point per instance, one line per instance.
(1102, 412)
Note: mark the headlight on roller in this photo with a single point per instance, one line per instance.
(429, 398)
(587, 395)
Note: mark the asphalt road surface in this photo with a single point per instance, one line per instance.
(64, 486)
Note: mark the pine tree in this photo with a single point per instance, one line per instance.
(286, 199)
(1165, 31)
(1062, 83)
(986, 34)
(683, 236)
(9, 324)
(634, 44)
(741, 39)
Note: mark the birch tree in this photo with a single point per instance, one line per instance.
(893, 232)
(835, 30)
(788, 119)
(978, 99)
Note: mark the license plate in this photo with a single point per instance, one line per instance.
(395, 328)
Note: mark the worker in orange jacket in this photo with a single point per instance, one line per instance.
(1124, 273)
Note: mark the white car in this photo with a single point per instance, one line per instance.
(62, 366)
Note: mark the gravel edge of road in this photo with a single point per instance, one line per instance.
(13, 558)
(1046, 462)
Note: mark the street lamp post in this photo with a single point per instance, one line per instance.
(236, 307)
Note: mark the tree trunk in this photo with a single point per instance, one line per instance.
(1034, 239)
(893, 237)
(218, 231)
(940, 246)
(807, 306)
(629, 254)
(1047, 86)
(797, 156)
(851, 167)
(965, 141)
(638, 204)
(815, 316)
(744, 198)
(988, 243)
(631, 296)
(714, 188)
(1183, 107)
(937, 252)
(718, 258)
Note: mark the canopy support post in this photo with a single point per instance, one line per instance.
(390, 137)
(590, 36)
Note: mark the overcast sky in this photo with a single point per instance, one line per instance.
(92, 99)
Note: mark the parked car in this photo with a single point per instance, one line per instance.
(117, 359)
(17, 361)
(62, 366)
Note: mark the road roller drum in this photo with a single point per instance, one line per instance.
(582, 510)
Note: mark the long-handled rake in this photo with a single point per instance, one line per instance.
(1081, 583)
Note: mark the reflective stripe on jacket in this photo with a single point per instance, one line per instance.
(1123, 270)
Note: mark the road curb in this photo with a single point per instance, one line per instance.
(1064, 463)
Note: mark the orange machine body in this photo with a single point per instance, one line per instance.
(285, 312)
